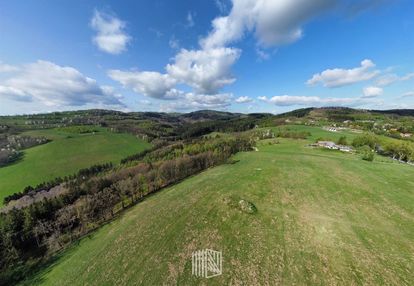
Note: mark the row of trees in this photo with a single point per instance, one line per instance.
(18, 142)
(82, 174)
(44, 227)
(403, 151)
(397, 149)
(194, 130)
(139, 156)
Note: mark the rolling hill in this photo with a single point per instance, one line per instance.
(65, 155)
(323, 218)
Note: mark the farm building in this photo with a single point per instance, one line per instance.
(327, 144)
(331, 145)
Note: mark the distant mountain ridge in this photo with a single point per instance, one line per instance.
(207, 114)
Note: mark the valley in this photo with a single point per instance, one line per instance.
(324, 217)
(65, 155)
(139, 193)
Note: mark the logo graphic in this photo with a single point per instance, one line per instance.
(207, 263)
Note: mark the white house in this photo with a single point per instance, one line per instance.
(331, 145)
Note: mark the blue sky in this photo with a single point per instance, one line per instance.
(239, 55)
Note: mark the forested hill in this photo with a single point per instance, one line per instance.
(154, 125)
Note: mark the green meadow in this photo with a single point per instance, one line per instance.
(65, 155)
(324, 218)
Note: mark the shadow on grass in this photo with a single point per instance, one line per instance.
(36, 274)
(17, 159)
(21, 154)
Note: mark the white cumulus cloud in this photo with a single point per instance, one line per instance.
(289, 100)
(55, 85)
(340, 77)
(372, 91)
(272, 22)
(5, 68)
(208, 69)
(14, 93)
(208, 100)
(151, 84)
(110, 33)
(205, 70)
(243, 99)
(193, 101)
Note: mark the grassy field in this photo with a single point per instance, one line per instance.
(324, 218)
(65, 155)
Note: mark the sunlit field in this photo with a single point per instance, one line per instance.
(323, 218)
(65, 155)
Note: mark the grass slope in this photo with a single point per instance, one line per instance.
(324, 218)
(65, 155)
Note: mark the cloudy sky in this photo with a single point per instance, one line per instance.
(185, 55)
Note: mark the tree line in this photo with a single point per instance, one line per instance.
(46, 186)
(396, 149)
(39, 230)
(198, 129)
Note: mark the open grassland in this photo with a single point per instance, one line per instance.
(65, 155)
(324, 218)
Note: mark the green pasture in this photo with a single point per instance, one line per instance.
(65, 155)
(324, 218)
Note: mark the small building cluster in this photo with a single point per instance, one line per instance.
(333, 146)
(334, 128)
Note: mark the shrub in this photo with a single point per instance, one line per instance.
(367, 154)
(342, 141)
(366, 139)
